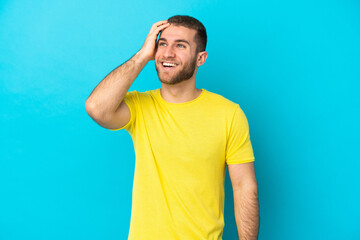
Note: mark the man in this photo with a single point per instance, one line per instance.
(183, 138)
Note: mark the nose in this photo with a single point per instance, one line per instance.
(169, 52)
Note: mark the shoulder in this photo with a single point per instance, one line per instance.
(137, 95)
(225, 107)
(220, 101)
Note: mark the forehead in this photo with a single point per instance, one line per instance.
(173, 33)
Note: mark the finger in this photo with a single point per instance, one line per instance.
(158, 24)
(160, 28)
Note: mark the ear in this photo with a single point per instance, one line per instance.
(201, 58)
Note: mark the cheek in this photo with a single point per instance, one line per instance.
(157, 54)
(156, 59)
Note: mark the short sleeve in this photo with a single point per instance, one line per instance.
(238, 146)
(130, 101)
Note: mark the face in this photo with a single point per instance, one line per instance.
(176, 58)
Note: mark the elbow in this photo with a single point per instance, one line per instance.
(97, 113)
(252, 190)
(93, 110)
(90, 107)
(247, 188)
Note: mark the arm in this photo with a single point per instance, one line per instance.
(246, 203)
(105, 104)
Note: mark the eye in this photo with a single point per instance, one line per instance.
(162, 44)
(181, 45)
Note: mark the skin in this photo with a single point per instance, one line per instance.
(105, 104)
(246, 204)
(177, 55)
(177, 45)
(172, 48)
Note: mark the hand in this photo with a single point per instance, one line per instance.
(149, 47)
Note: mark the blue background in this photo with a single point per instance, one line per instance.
(293, 66)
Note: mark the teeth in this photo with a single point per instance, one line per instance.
(169, 64)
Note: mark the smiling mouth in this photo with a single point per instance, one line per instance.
(169, 65)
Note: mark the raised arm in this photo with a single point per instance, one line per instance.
(105, 104)
(246, 203)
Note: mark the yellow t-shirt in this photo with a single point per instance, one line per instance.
(181, 154)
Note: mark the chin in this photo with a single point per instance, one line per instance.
(165, 78)
(172, 81)
(167, 81)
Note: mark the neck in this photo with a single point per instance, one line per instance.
(179, 93)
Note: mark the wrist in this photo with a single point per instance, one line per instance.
(142, 57)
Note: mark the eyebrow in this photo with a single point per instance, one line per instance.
(178, 40)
